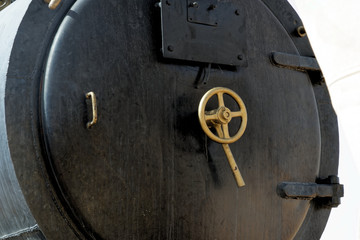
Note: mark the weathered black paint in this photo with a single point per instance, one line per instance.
(146, 170)
(295, 62)
(195, 31)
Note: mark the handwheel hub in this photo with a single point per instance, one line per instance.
(224, 115)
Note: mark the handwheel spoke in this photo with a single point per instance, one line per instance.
(225, 129)
(221, 99)
(219, 130)
(237, 114)
(210, 116)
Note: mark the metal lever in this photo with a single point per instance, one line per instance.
(92, 96)
(234, 168)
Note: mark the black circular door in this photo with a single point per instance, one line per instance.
(146, 169)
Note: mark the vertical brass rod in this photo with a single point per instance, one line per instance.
(234, 168)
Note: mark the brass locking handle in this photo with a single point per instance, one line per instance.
(92, 96)
(219, 119)
(234, 168)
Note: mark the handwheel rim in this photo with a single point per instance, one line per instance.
(201, 114)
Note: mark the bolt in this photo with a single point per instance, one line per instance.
(212, 7)
(194, 4)
(226, 115)
(240, 57)
(170, 48)
(53, 4)
(301, 31)
(237, 12)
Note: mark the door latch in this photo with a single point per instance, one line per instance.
(326, 192)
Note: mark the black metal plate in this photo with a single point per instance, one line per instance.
(204, 31)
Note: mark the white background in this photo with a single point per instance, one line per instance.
(333, 27)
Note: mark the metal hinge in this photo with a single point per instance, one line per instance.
(326, 192)
(295, 62)
(299, 63)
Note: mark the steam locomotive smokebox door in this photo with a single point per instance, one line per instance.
(120, 138)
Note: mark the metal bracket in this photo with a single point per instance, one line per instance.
(208, 31)
(327, 192)
(295, 62)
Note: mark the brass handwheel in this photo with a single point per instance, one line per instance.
(219, 118)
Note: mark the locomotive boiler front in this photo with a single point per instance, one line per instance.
(177, 119)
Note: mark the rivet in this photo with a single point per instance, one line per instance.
(237, 12)
(212, 7)
(240, 57)
(170, 48)
(168, 2)
(194, 4)
(53, 4)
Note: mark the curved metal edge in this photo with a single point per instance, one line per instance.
(15, 215)
(315, 222)
(35, 33)
(316, 219)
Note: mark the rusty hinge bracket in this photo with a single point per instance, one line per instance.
(327, 192)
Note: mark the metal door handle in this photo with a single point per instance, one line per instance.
(92, 96)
